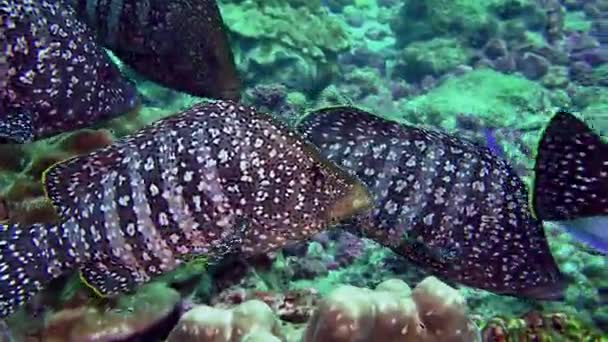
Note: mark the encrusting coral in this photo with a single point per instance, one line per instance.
(130, 316)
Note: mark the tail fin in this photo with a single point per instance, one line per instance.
(571, 172)
(27, 264)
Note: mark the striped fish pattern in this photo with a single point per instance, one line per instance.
(181, 44)
(53, 76)
(216, 179)
(450, 206)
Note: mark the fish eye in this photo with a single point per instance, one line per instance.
(318, 176)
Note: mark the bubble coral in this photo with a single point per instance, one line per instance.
(250, 321)
(433, 311)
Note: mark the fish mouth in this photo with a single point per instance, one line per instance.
(357, 200)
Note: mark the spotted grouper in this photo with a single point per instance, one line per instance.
(450, 206)
(218, 178)
(181, 44)
(571, 180)
(53, 76)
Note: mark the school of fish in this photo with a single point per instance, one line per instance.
(223, 179)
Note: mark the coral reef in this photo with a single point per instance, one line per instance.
(535, 326)
(432, 311)
(251, 321)
(292, 43)
(392, 312)
(481, 69)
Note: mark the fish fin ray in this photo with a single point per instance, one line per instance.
(571, 171)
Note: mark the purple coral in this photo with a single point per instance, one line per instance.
(348, 248)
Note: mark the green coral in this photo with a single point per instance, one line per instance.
(432, 57)
(557, 77)
(293, 43)
(475, 21)
(576, 22)
(424, 19)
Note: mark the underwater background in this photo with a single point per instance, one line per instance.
(493, 71)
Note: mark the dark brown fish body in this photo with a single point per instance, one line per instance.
(450, 206)
(53, 76)
(215, 179)
(181, 44)
(571, 180)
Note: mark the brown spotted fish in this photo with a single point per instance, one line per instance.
(571, 180)
(452, 207)
(181, 44)
(53, 76)
(218, 178)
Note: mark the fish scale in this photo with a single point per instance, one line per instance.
(216, 179)
(568, 186)
(447, 204)
(155, 185)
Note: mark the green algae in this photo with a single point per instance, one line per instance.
(497, 99)
(277, 40)
(432, 57)
(576, 22)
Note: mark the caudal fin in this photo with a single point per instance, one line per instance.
(25, 265)
(571, 172)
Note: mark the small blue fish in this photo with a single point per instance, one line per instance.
(491, 142)
(571, 180)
